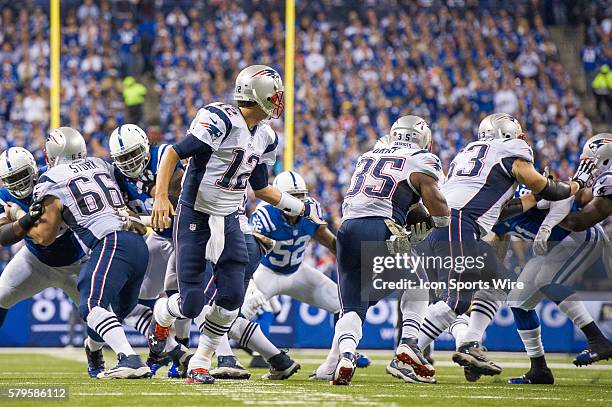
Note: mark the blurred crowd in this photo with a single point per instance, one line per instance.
(359, 66)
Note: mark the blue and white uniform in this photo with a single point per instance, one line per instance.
(137, 193)
(570, 255)
(282, 270)
(118, 259)
(37, 267)
(224, 156)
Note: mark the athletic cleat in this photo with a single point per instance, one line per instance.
(128, 367)
(199, 376)
(173, 372)
(362, 361)
(228, 367)
(345, 369)
(408, 352)
(539, 376)
(156, 338)
(473, 355)
(596, 352)
(180, 357)
(281, 367)
(95, 362)
(156, 363)
(402, 371)
(470, 374)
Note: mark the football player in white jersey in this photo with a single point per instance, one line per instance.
(81, 192)
(386, 184)
(480, 180)
(34, 267)
(227, 147)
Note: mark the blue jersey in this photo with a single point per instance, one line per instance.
(138, 191)
(526, 225)
(291, 240)
(64, 251)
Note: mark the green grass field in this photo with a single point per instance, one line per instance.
(371, 386)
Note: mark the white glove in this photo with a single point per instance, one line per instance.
(14, 212)
(540, 242)
(584, 173)
(419, 232)
(254, 301)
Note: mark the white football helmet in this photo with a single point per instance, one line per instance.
(262, 85)
(63, 145)
(129, 149)
(382, 142)
(292, 183)
(18, 171)
(599, 148)
(500, 126)
(410, 131)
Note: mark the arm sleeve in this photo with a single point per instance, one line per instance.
(190, 146)
(259, 177)
(557, 212)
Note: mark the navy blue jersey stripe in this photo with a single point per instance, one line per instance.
(496, 185)
(272, 147)
(83, 233)
(44, 179)
(223, 116)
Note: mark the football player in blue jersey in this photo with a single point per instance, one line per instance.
(136, 165)
(81, 192)
(34, 267)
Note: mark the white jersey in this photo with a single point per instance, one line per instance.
(480, 178)
(381, 186)
(222, 158)
(89, 196)
(602, 187)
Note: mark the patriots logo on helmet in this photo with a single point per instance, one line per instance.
(266, 72)
(596, 144)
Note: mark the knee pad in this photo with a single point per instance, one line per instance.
(230, 299)
(192, 303)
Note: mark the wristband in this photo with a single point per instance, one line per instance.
(290, 204)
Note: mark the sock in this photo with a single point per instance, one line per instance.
(93, 345)
(167, 310)
(528, 326)
(458, 329)
(593, 333)
(139, 318)
(106, 324)
(413, 311)
(438, 317)
(482, 314)
(213, 322)
(249, 335)
(3, 312)
(224, 348)
(575, 311)
(348, 332)
(182, 327)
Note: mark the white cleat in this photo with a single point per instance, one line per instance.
(129, 367)
(345, 369)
